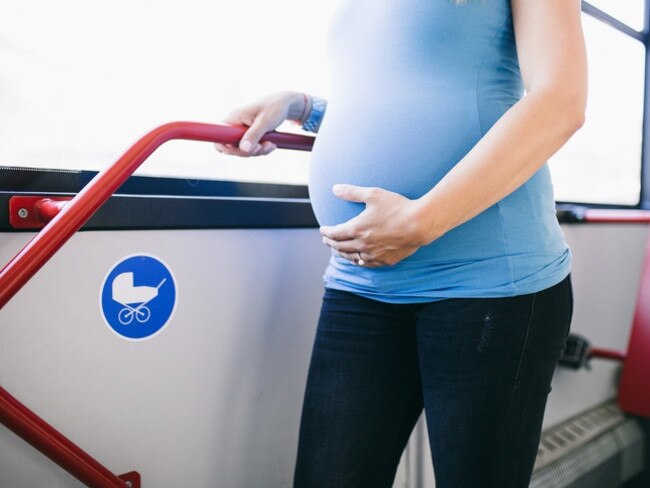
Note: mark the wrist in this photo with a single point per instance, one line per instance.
(315, 114)
(299, 107)
(429, 225)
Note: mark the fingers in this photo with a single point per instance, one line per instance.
(249, 145)
(250, 141)
(350, 250)
(349, 246)
(259, 150)
(240, 117)
(360, 259)
(260, 117)
(341, 232)
(267, 147)
(353, 193)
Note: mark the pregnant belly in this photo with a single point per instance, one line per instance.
(408, 157)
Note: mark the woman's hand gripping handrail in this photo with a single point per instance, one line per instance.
(78, 211)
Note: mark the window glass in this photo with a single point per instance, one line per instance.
(628, 11)
(602, 162)
(80, 81)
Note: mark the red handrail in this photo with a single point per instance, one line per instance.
(68, 219)
(77, 212)
(603, 353)
(614, 216)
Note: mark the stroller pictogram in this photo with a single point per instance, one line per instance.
(134, 298)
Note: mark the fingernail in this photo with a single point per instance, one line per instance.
(246, 145)
(337, 188)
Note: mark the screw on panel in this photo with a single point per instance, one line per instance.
(23, 213)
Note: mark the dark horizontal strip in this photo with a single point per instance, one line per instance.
(580, 214)
(123, 212)
(169, 203)
(18, 179)
(596, 13)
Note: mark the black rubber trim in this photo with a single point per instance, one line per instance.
(147, 203)
(33, 180)
(570, 214)
(123, 212)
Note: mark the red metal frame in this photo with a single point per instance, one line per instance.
(30, 212)
(601, 353)
(77, 212)
(607, 216)
(634, 388)
(66, 219)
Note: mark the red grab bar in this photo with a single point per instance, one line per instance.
(77, 212)
(67, 219)
(613, 216)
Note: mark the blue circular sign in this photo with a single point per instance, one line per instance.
(138, 297)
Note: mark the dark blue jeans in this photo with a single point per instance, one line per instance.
(481, 369)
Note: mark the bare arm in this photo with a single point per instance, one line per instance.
(553, 65)
(552, 58)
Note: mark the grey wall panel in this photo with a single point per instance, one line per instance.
(607, 268)
(214, 400)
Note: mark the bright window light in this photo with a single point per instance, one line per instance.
(602, 162)
(81, 80)
(627, 11)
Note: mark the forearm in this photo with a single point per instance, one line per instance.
(504, 159)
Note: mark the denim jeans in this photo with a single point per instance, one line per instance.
(481, 369)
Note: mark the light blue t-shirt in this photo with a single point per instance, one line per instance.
(415, 85)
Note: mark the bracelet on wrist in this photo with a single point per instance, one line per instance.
(315, 116)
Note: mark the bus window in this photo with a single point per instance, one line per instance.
(81, 80)
(628, 11)
(602, 162)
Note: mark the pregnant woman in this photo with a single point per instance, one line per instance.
(448, 287)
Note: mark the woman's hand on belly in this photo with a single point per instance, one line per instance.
(390, 229)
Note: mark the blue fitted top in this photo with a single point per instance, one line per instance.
(415, 85)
